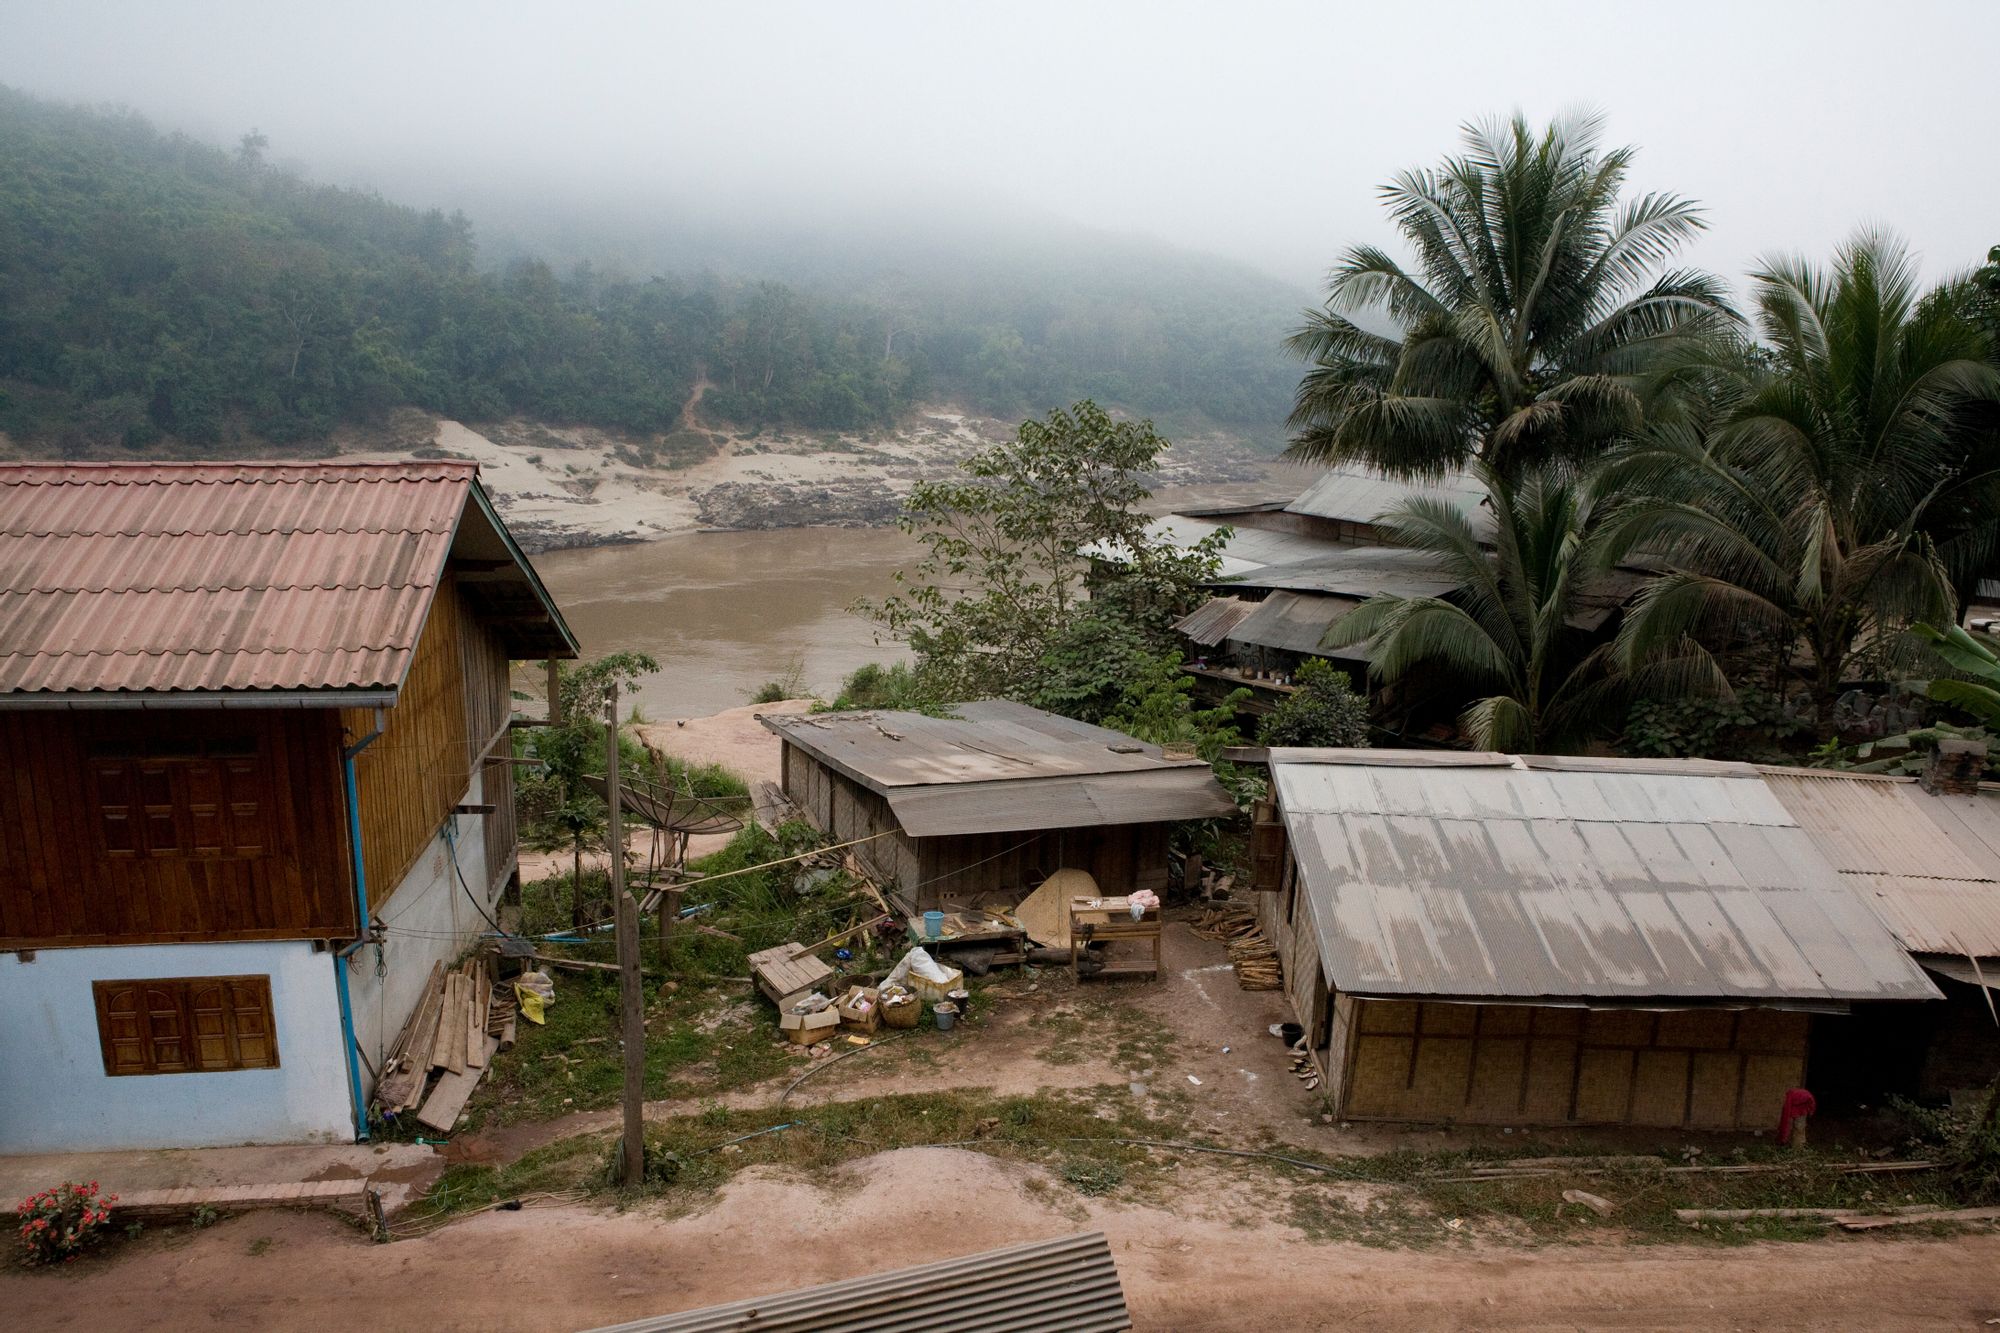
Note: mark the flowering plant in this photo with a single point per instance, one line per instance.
(58, 1223)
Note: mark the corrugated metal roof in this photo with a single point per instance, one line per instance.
(1296, 623)
(1607, 880)
(988, 741)
(1353, 494)
(1210, 623)
(143, 579)
(1922, 861)
(1356, 571)
(1050, 803)
(1247, 550)
(1067, 1285)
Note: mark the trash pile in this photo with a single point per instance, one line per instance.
(813, 1019)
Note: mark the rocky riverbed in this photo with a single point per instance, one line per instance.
(570, 487)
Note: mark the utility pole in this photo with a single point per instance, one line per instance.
(631, 987)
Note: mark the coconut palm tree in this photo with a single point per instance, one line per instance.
(1536, 300)
(1803, 526)
(1504, 638)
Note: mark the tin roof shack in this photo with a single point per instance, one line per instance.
(249, 711)
(1925, 855)
(1496, 939)
(981, 807)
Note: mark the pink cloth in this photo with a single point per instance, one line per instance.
(1798, 1104)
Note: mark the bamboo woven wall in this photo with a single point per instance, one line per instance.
(1528, 1064)
(418, 768)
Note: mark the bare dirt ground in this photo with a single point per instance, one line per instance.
(1207, 1246)
(570, 1268)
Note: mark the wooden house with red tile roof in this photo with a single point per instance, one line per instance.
(256, 719)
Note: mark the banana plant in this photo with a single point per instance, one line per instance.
(1980, 694)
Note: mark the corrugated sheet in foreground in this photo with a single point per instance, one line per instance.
(1576, 881)
(1069, 1285)
(207, 576)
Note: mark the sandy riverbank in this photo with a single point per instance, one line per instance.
(566, 487)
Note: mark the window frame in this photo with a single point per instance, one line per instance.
(194, 1027)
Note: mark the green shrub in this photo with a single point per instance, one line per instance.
(1324, 710)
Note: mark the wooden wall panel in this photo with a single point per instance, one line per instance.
(66, 878)
(489, 704)
(1522, 1064)
(418, 768)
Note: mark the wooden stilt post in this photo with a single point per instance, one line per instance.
(631, 986)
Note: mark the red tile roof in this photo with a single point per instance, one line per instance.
(220, 576)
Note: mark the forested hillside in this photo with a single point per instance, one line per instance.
(153, 287)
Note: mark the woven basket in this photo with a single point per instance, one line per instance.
(904, 1015)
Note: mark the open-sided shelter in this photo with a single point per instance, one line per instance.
(981, 806)
(1516, 940)
(256, 722)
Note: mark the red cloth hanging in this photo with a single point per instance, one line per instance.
(1798, 1104)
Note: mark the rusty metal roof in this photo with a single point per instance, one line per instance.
(987, 741)
(123, 580)
(1065, 1285)
(1296, 623)
(1050, 803)
(999, 766)
(1928, 864)
(1210, 623)
(1587, 879)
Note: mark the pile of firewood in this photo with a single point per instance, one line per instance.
(1255, 961)
(456, 1029)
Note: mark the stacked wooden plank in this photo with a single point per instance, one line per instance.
(1250, 953)
(445, 1047)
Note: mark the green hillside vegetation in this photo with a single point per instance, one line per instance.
(158, 290)
(155, 287)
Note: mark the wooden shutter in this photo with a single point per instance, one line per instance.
(186, 1025)
(1267, 848)
(115, 816)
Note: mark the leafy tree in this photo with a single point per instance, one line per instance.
(1536, 301)
(561, 809)
(1324, 710)
(1002, 580)
(1157, 705)
(1803, 527)
(1504, 638)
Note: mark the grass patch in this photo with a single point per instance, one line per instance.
(1092, 1029)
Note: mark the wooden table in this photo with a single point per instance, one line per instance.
(973, 929)
(1093, 919)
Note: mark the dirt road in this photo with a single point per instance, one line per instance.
(565, 1268)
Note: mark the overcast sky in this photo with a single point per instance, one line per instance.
(1256, 130)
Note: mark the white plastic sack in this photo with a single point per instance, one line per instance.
(918, 962)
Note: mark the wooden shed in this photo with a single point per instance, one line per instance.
(979, 807)
(1515, 940)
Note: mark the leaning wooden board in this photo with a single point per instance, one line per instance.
(452, 1091)
(784, 978)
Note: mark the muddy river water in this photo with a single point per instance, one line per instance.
(724, 612)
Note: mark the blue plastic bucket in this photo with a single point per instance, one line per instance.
(933, 925)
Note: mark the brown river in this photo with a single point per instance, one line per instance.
(724, 612)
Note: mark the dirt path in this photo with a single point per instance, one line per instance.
(1226, 1269)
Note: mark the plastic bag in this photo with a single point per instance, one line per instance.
(918, 962)
(534, 993)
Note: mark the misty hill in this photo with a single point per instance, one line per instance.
(153, 287)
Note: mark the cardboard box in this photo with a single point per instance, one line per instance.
(805, 1029)
(861, 1009)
